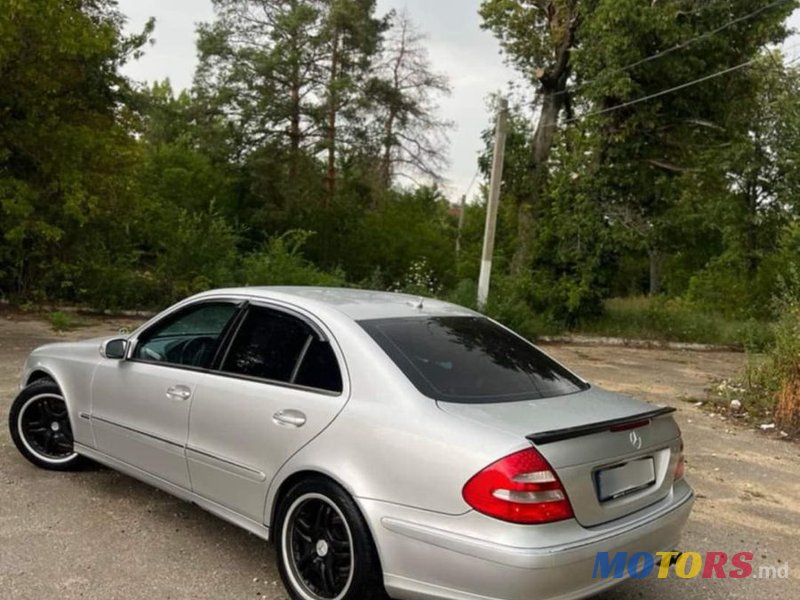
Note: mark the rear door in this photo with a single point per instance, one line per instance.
(279, 385)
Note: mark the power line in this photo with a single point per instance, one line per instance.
(472, 183)
(663, 92)
(679, 46)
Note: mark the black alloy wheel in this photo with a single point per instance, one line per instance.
(40, 427)
(324, 546)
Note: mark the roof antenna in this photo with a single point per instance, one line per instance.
(419, 304)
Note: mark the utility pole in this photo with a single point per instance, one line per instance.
(494, 202)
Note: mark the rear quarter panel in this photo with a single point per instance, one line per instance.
(392, 444)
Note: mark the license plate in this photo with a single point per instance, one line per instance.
(625, 479)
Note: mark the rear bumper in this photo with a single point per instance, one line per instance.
(469, 557)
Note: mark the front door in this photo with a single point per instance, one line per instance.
(140, 406)
(279, 386)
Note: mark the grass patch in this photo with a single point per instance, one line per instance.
(663, 320)
(61, 321)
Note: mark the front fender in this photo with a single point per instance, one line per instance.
(72, 367)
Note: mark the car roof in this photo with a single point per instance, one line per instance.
(359, 305)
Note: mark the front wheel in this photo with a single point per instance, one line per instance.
(324, 549)
(41, 430)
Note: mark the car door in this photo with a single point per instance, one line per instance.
(279, 385)
(140, 406)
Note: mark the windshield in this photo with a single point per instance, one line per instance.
(470, 359)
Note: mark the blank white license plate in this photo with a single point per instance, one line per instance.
(625, 479)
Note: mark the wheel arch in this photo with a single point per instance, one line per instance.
(40, 374)
(310, 474)
(73, 379)
(292, 480)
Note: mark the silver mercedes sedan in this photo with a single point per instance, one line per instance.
(386, 444)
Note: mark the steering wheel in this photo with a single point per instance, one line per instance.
(151, 354)
(194, 351)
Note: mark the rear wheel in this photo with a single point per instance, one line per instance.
(324, 547)
(40, 427)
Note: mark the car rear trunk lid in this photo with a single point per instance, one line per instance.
(613, 454)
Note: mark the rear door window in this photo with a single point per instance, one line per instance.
(470, 359)
(276, 346)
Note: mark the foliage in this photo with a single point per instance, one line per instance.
(280, 262)
(771, 385)
(65, 151)
(511, 301)
(294, 160)
(419, 280)
(115, 195)
(693, 170)
(402, 94)
(61, 321)
(675, 320)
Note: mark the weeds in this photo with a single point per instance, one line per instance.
(61, 321)
(775, 382)
(677, 321)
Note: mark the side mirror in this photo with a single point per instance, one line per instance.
(115, 349)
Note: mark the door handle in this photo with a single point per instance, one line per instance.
(179, 393)
(289, 418)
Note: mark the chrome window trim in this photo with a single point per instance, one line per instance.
(281, 384)
(319, 329)
(260, 303)
(264, 303)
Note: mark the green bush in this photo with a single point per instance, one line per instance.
(61, 321)
(513, 301)
(280, 262)
(118, 285)
(198, 252)
(419, 280)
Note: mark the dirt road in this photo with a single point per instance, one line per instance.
(101, 535)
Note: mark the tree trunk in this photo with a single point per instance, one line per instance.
(333, 111)
(656, 271)
(553, 81)
(552, 103)
(294, 125)
(388, 132)
(388, 146)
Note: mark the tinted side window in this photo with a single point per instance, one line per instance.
(275, 346)
(320, 369)
(268, 345)
(189, 338)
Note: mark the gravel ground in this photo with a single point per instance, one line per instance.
(101, 535)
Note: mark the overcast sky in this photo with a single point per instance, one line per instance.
(458, 47)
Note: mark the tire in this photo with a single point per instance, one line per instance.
(337, 542)
(41, 430)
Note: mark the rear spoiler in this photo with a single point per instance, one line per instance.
(558, 435)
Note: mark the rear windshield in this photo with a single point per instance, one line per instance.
(470, 359)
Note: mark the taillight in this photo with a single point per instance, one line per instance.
(520, 488)
(680, 467)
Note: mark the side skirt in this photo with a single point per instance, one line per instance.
(258, 529)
